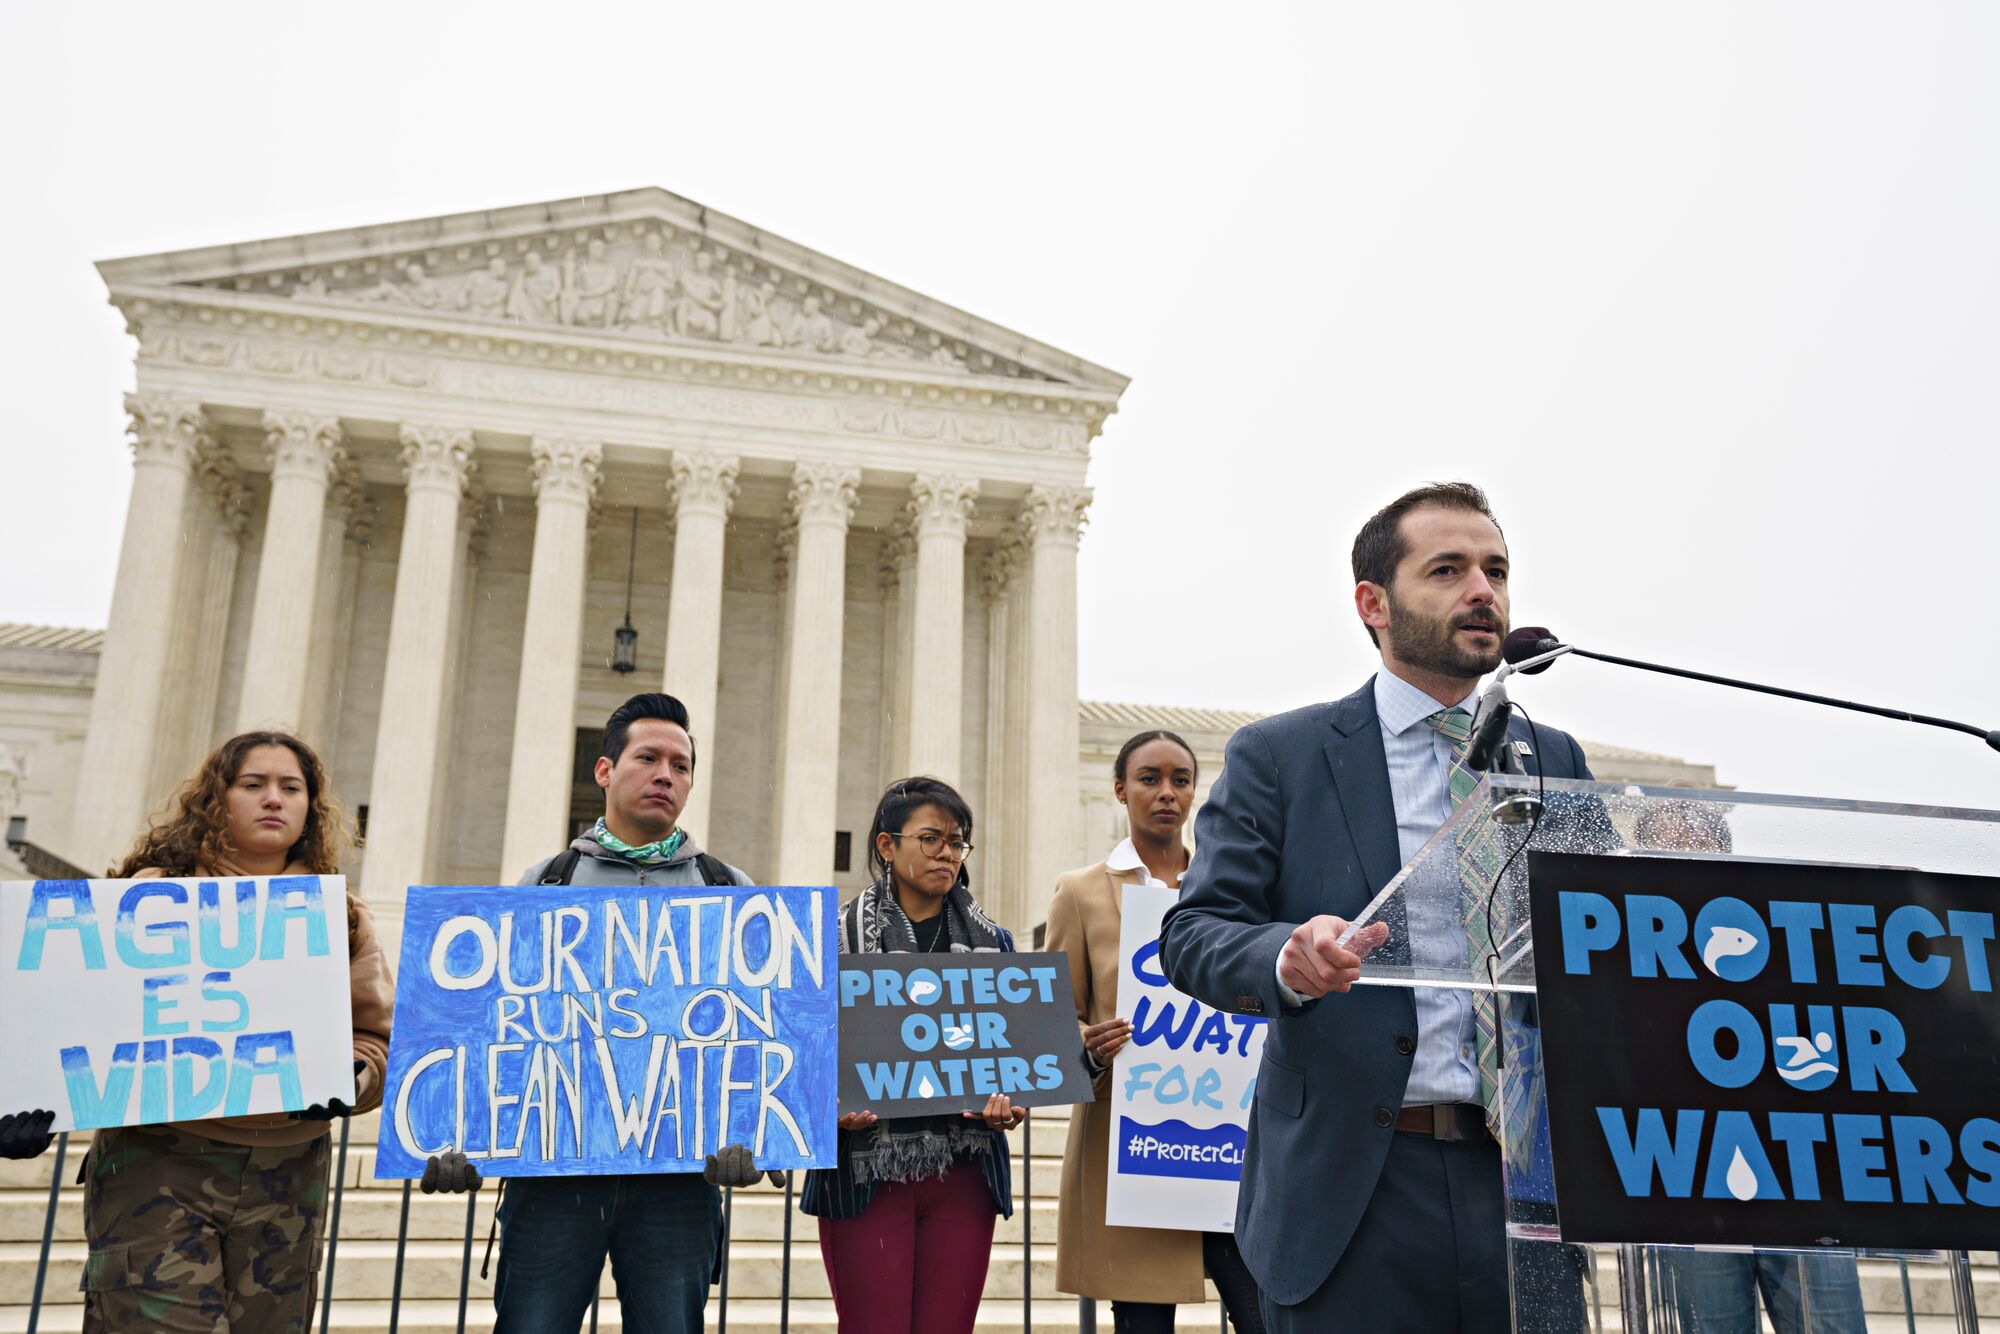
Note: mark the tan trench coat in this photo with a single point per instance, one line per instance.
(1120, 1264)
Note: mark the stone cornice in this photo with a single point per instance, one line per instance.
(565, 469)
(418, 350)
(471, 239)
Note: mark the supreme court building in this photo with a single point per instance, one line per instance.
(396, 486)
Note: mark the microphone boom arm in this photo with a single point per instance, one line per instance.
(1992, 738)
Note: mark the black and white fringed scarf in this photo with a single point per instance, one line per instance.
(873, 922)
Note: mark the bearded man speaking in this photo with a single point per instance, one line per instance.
(1371, 1192)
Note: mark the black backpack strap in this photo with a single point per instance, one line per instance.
(713, 872)
(560, 868)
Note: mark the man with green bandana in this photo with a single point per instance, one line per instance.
(662, 1230)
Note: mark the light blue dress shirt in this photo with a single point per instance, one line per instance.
(1446, 1067)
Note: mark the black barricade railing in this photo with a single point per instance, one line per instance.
(728, 1217)
(402, 1245)
(333, 1226)
(465, 1261)
(1028, 1224)
(48, 1233)
(785, 1274)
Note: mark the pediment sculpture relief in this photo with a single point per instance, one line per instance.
(652, 287)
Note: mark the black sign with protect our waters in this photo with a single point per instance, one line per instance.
(1769, 1054)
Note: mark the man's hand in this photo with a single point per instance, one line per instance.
(25, 1134)
(732, 1167)
(449, 1174)
(999, 1113)
(332, 1107)
(1103, 1040)
(1314, 962)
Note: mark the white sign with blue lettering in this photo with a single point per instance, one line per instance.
(136, 1002)
(1180, 1090)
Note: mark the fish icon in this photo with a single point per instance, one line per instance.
(922, 989)
(1726, 942)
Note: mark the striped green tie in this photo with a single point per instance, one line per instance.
(1455, 725)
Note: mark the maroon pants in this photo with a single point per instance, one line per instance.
(914, 1262)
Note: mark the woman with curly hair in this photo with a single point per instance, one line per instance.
(217, 1224)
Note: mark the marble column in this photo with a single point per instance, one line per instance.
(704, 489)
(822, 502)
(994, 874)
(231, 516)
(333, 614)
(305, 453)
(939, 507)
(902, 559)
(449, 836)
(175, 756)
(1052, 518)
(113, 799)
(538, 776)
(436, 464)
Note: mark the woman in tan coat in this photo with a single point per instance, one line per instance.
(1142, 1272)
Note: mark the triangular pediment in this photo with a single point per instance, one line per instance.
(645, 265)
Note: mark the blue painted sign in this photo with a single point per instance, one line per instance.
(583, 1029)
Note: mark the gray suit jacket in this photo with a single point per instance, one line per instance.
(1302, 822)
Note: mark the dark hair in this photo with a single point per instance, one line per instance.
(900, 802)
(665, 708)
(1157, 734)
(1380, 546)
(1710, 827)
(192, 833)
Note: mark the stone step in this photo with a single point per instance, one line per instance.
(373, 1214)
(431, 1269)
(1056, 1315)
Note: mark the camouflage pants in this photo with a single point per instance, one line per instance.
(195, 1236)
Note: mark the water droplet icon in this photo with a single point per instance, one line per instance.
(926, 1089)
(1742, 1182)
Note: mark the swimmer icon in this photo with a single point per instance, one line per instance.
(1804, 1060)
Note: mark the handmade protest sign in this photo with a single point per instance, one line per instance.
(1180, 1090)
(136, 1002)
(1769, 1054)
(557, 1030)
(927, 1033)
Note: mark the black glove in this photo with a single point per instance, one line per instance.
(332, 1107)
(26, 1134)
(732, 1167)
(449, 1174)
(778, 1179)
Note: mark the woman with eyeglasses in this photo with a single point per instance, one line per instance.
(1142, 1272)
(906, 1219)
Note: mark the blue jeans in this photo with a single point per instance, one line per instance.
(1716, 1291)
(661, 1232)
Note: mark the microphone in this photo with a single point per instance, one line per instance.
(1488, 729)
(1534, 649)
(1533, 645)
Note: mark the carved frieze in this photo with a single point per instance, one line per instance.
(645, 280)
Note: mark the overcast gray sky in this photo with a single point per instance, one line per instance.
(1706, 294)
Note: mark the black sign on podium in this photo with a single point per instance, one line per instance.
(1769, 1053)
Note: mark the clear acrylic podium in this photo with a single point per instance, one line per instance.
(1644, 1289)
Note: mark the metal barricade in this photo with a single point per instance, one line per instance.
(333, 1227)
(48, 1232)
